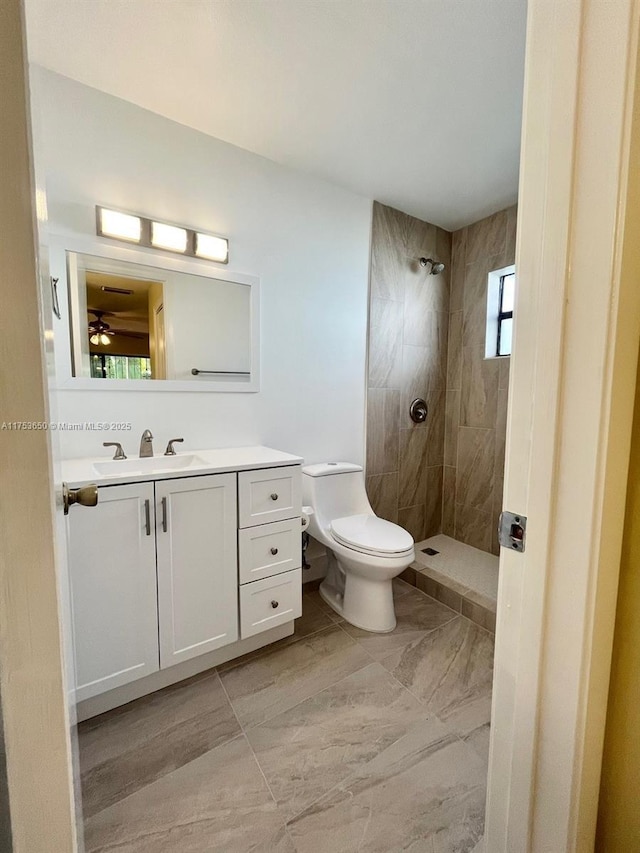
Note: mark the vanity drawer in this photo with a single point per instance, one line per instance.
(270, 602)
(271, 494)
(269, 549)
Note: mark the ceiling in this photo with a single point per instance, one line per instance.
(416, 103)
(122, 311)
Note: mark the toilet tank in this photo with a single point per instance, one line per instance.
(334, 490)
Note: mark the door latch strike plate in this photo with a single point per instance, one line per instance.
(512, 531)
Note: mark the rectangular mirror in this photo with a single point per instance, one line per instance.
(143, 325)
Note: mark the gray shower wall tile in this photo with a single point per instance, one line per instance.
(413, 519)
(449, 501)
(420, 238)
(434, 426)
(505, 367)
(452, 421)
(385, 343)
(387, 252)
(433, 500)
(454, 361)
(473, 527)
(413, 466)
(382, 491)
(486, 237)
(479, 398)
(424, 295)
(475, 471)
(444, 244)
(383, 422)
(458, 264)
(472, 485)
(408, 355)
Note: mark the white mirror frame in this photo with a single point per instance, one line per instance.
(60, 244)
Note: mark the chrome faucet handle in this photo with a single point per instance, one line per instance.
(170, 451)
(119, 454)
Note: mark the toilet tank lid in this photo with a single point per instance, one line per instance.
(324, 469)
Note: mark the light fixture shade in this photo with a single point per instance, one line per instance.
(95, 339)
(120, 226)
(212, 248)
(105, 340)
(169, 237)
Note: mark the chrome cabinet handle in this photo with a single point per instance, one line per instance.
(274, 604)
(274, 551)
(147, 516)
(164, 514)
(274, 496)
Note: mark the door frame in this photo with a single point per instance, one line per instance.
(32, 677)
(572, 387)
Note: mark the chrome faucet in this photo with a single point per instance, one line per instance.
(146, 445)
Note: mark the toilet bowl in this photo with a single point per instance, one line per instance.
(364, 552)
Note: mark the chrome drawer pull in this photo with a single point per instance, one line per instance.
(274, 496)
(147, 516)
(274, 551)
(274, 604)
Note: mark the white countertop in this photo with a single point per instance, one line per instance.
(79, 472)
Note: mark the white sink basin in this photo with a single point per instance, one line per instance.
(149, 465)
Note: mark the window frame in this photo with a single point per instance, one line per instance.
(495, 314)
(502, 314)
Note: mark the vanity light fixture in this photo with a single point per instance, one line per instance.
(169, 237)
(119, 226)
(161, 235)
(212, 248)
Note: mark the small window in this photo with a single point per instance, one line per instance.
(505, 313)
(501, 286)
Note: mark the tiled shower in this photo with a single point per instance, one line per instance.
(427, 339)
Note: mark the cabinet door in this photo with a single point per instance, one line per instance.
(197, 565)
(112, 566)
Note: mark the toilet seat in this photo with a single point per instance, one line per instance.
(372, 535)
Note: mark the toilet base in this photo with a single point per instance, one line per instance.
(366, 604)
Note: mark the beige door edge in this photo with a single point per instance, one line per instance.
(36, 727)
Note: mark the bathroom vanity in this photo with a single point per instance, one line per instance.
(185, 562)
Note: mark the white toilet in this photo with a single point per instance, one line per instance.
(365, 552)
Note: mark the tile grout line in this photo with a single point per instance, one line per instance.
(417, 698)
(312, 695)
(253, 752)
(227, 666)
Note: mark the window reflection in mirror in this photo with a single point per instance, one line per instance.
(130, 321)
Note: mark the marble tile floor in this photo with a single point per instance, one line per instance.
(330, 741)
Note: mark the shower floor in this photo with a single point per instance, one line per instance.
(462, 577)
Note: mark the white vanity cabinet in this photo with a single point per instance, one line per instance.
(175, 574)
(197, 557)
(112, 566)
(270, 566)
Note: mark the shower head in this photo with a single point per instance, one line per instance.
(435, 266)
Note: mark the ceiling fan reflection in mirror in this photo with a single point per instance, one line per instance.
(99, 331)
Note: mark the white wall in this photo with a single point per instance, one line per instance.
(307, 240)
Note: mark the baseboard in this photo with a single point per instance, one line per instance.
(164, 678)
